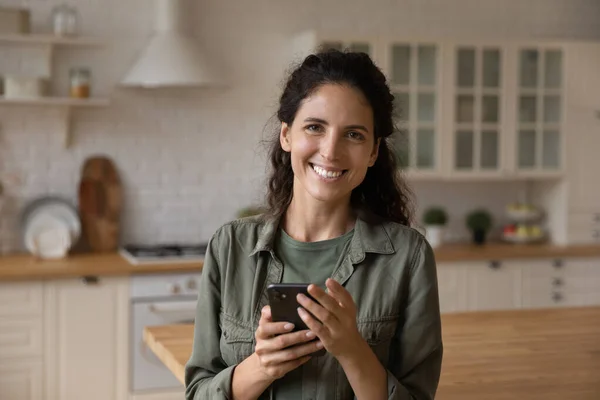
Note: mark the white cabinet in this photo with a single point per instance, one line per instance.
(86, 331)
(543, 283)
(452, 287)
(21, 380)
(493, 286)
(21, 331)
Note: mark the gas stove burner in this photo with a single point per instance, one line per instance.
(160, 253)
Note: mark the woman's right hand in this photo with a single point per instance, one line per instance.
(278, 349)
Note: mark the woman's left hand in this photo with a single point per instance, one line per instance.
(337, 313)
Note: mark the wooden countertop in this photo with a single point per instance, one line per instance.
(26, 267)
(549, 354)
(504, 251)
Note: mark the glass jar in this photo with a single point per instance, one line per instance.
(64, 20)
(80, 79)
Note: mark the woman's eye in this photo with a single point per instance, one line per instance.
(313, 128)
(355, 135)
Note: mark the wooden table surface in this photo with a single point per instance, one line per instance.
(526, 354)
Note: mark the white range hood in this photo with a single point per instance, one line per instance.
(172, 58)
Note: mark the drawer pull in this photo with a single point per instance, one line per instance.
(495, 264)
(89, 280)
(557, 297)
(557, 282)
(558, 263)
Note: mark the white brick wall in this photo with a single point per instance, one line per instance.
(190, 158)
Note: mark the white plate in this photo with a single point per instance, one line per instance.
(47, 236)
(57, 207)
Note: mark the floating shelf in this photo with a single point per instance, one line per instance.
(64, 103)
(50, 39)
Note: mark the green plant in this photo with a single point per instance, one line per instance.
(435, 216)
(479, 220)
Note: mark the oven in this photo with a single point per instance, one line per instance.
(158, 299)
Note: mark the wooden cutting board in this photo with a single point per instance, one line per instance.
(100, 203)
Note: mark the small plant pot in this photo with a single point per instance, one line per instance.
(435, 235)
(479, 236)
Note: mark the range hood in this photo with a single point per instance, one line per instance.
(172, 58)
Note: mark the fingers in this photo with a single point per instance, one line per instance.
(284, 341)
(325, 312)
(324, 299)
(339, 293)
(267, 329)
(291, 353)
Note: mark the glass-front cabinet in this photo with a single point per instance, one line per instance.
(476, 110)
(539, 110)
(413, 71)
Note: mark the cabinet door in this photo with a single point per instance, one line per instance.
(413, 71)
(86, 339)
(452, 287)
(478, 94)
(21, 380)
(543, 283)
(539, 111)
(583, 125)
(493, 286)
(582, 283)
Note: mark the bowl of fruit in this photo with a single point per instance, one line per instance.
(522, 212)
(523, 233)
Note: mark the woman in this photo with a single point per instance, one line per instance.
(338, 218)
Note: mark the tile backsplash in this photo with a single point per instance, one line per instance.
(190, 158)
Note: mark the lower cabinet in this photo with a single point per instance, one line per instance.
(86, 339)
(514, 284)
(21, 379)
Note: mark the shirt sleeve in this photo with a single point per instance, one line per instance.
(415, 367)
(206, 374)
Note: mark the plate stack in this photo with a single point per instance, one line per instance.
(51, 226)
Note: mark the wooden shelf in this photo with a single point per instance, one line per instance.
(65, 104)
(57, 101)
(50, 39)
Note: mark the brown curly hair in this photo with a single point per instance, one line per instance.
(383, 192)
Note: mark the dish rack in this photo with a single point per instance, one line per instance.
(525, 226)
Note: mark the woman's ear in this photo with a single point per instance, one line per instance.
(375, 153)
(284, 137)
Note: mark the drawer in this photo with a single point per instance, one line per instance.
(20, 337)
(18, 299)
(21, 379)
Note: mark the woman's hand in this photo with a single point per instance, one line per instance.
(337, 315)
(278, 349)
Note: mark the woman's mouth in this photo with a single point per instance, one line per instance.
(327, 174)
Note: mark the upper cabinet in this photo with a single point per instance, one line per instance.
(472, 109)
(475, 94)
(413, 71)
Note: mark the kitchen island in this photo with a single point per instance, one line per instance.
(548, 354)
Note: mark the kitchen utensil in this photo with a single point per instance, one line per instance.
(100, 203)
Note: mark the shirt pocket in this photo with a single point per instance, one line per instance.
(379, 334)
(237, 340)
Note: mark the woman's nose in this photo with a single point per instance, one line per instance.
(330, 147)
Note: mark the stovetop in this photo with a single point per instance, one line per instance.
(162, 253)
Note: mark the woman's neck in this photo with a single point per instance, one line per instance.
(313, 221)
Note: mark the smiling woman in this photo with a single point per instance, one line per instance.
(338, 221)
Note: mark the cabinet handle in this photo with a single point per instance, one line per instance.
(89, 280)
(557, 282)
(596, 217)
(495, 264)
(558, 263)
(596, 234)
(557, 297)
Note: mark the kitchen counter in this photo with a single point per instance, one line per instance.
(527, 354)
(26, 267)
(503, 251)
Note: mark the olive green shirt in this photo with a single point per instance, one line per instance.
(305, 262)
(390, 272)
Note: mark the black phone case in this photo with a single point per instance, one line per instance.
(284, 306)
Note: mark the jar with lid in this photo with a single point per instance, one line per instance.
(80, 79)
(64, 20)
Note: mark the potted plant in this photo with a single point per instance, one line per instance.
(435, 219)
(479, 221)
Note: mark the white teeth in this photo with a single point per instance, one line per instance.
(326, 174)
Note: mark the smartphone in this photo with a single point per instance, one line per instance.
(284, 306)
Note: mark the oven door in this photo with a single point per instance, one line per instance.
(148, 372)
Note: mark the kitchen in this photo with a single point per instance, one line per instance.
(188, 159)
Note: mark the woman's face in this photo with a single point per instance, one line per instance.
(331, 142)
